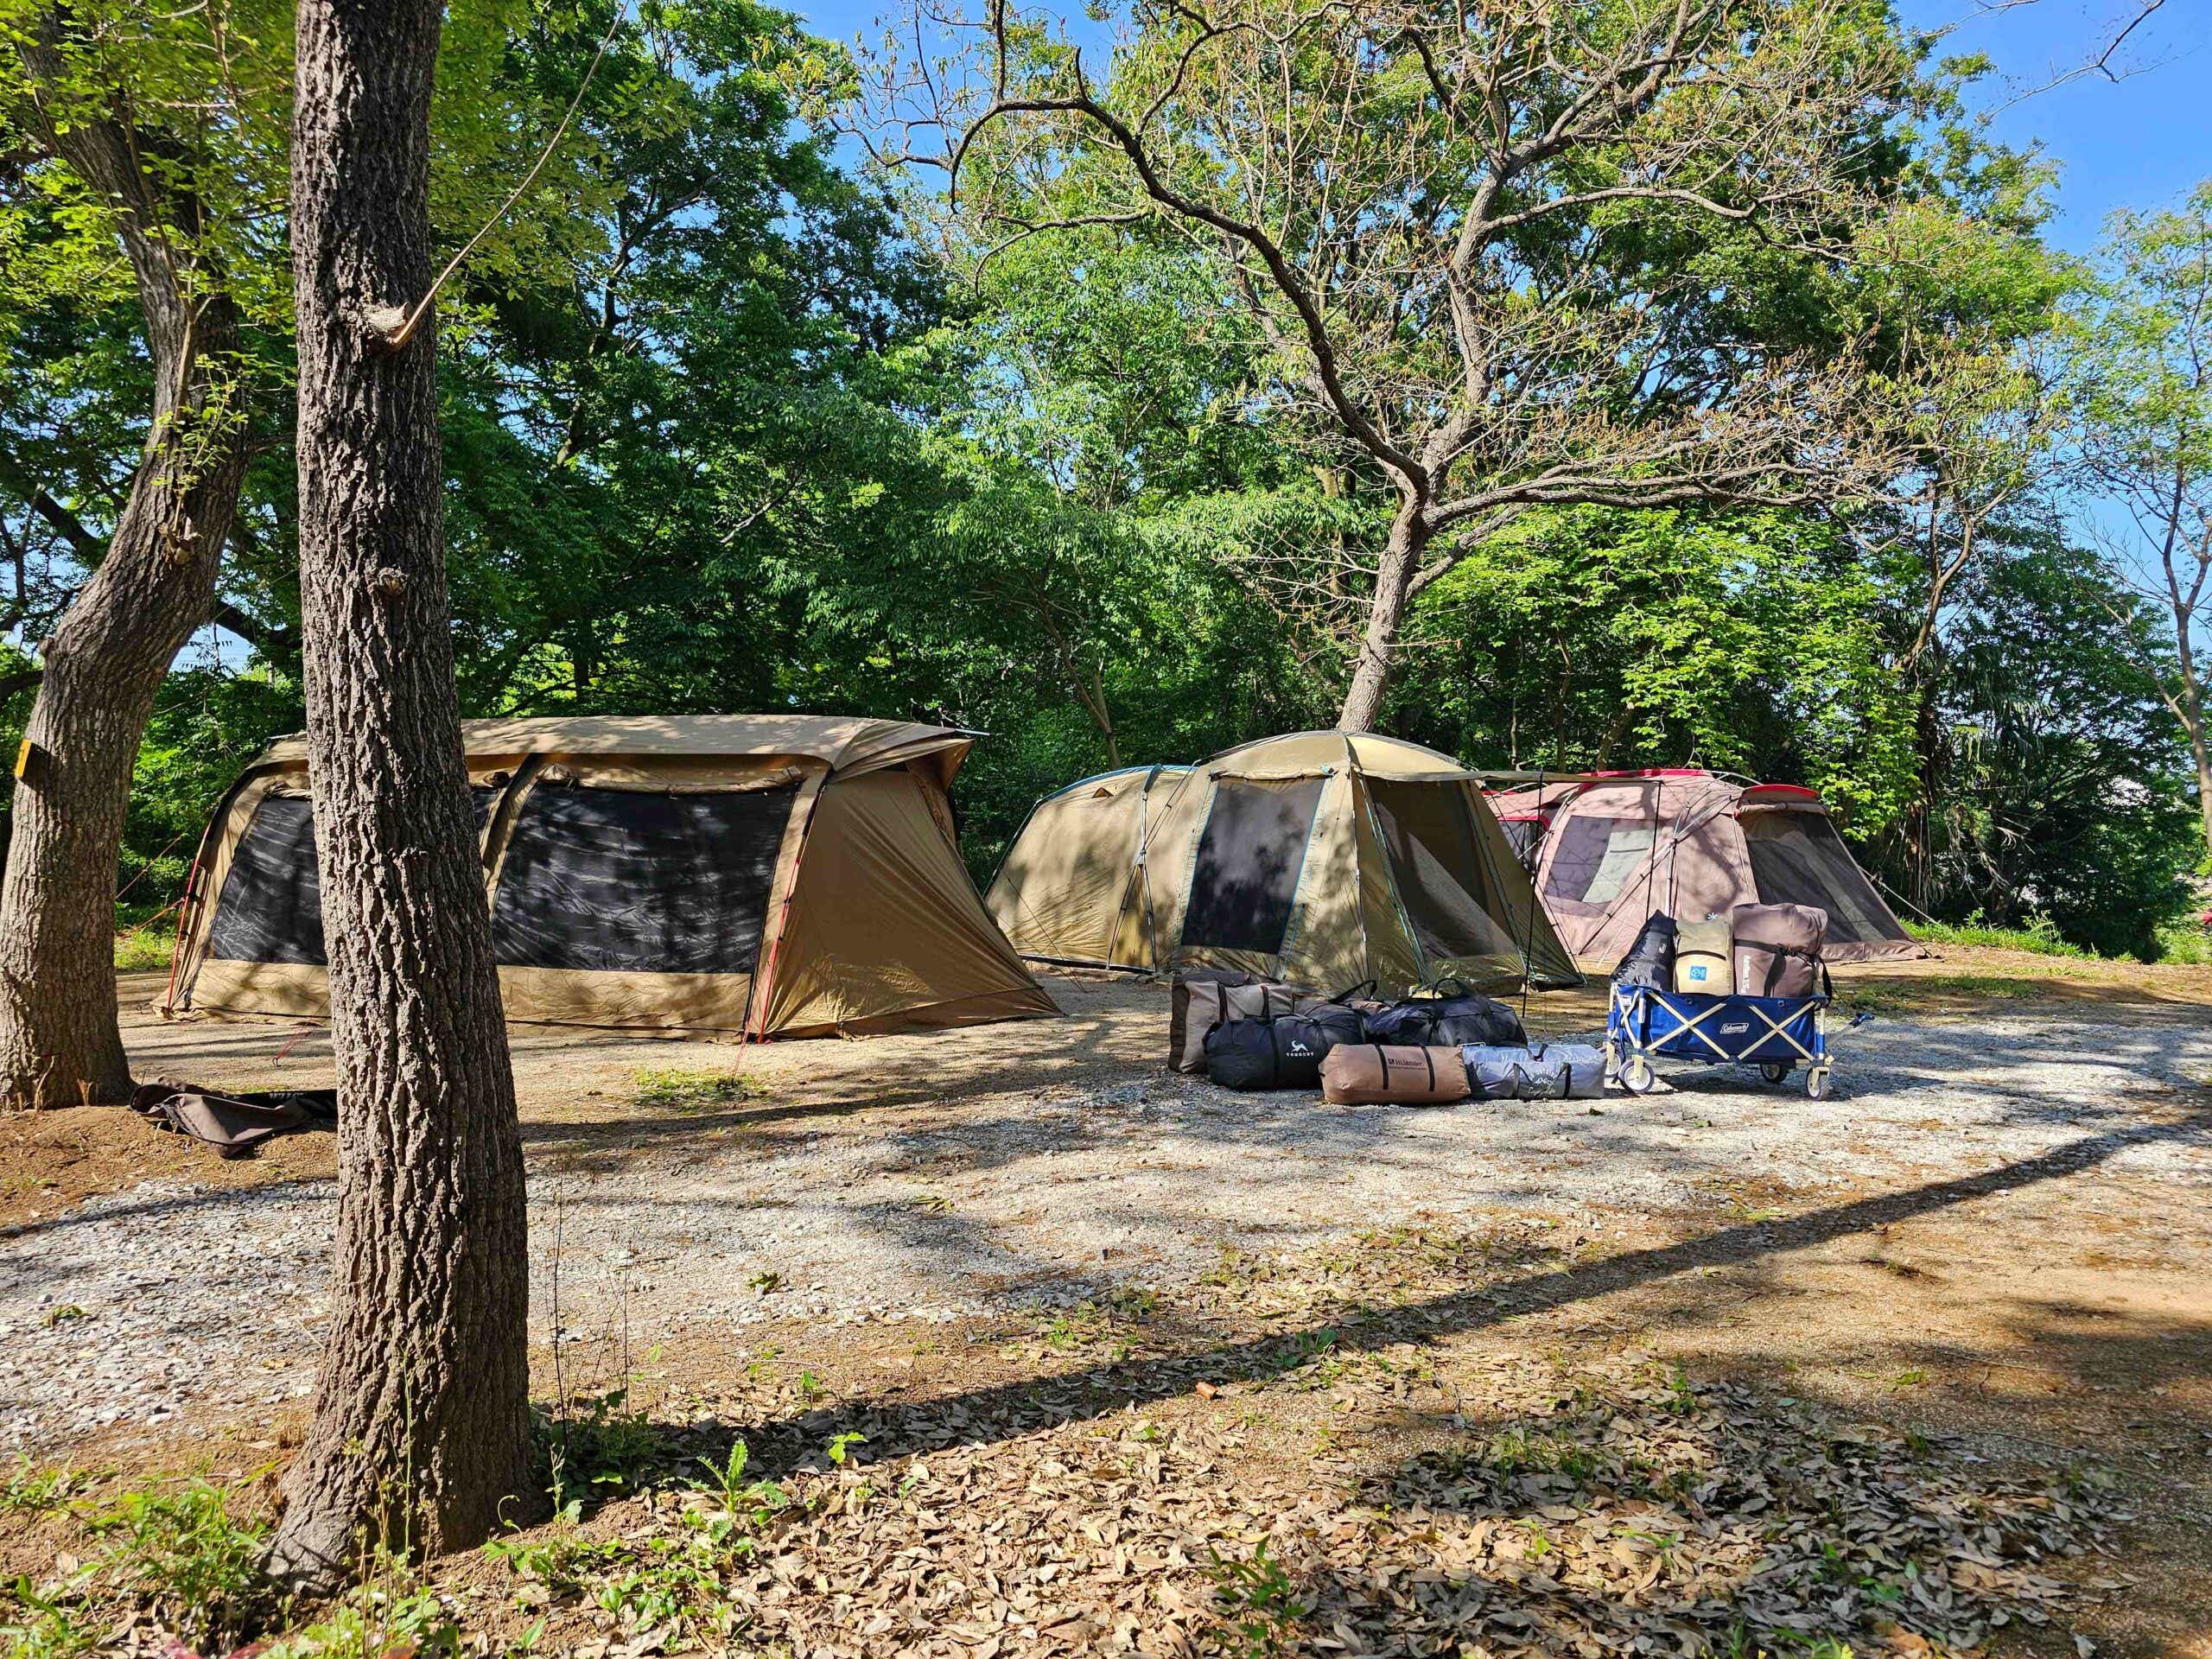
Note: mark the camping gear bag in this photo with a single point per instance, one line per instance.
(1649, 963)
(1447, 1020)
(1702, 957)
(1378, 1074)
(1535, 1070)
(1779, 948)
(1198, 1001)
(1281, 1053)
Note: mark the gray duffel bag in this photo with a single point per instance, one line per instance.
(1538, 1071)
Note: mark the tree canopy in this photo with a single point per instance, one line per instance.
(1749, 415)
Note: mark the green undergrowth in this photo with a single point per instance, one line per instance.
(1905, 996)
(144, 949)
(2040, 936)
(696, 1091)
(2184, 942)
(186, 1552)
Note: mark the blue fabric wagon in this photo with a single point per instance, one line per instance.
(1776, 1034)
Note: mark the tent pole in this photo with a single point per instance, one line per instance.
(1528, 930)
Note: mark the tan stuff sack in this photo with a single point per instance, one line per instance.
(1197, 1003)
(1372, 1074)
(1778, 949)
(1702, 957)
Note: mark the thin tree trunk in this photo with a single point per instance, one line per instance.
(1920, 820)
(1386, 610)
(2192, 704)
(420, 1437)
(1616, 730)
(156, 583)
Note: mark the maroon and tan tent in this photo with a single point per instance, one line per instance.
(739, 874)
(1609, 850)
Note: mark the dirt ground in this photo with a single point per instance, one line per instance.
(1003, 1253)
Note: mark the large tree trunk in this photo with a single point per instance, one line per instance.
(58, 1044)
(1386, 612)
(421, 1433)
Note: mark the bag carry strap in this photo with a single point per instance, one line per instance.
(1437, 985)
(1350, 991)
(1429, 1055)
(1778, 953)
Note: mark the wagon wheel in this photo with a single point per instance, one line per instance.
(1637, 1075)
(1773, 1070)
(1816, 1083)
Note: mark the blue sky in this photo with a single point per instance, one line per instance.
(2137, 143)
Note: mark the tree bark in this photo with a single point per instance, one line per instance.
(421, 1436)
(2192, 721)
(59, 1041)
(1386, 610)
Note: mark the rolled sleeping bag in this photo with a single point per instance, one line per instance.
(1702, 957)
(1777, 948)
(1377, 1074)
(1534, 1071)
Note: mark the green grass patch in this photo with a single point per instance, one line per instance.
(1904, 995)
(2184, 942)
(696, 1091)
(144, 949)
(183, 1555)
(2041, 937)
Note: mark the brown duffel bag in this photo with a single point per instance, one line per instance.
(1373, 1074)
(1778, 949)
(1198, 1001)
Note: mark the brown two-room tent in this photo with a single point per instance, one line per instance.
(1610, 849)
(758, 874)
(1324, 858)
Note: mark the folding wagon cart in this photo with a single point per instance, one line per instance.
(1776, 1034)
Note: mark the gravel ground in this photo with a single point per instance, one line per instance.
(141, 1306)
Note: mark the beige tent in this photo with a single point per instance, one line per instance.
(1609, 850)
(1325, 858)
(736, 873)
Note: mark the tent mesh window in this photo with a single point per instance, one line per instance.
(1797, 858)
(1430, 836)
(622, 881)
(1245, 878)
(1596, 858)
(271, 908)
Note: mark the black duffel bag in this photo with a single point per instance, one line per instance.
(1649, 965)
(1284, 1052)
(1450, 1019)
